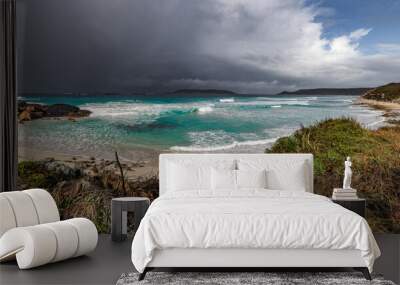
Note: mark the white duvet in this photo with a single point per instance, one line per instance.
(250, 219)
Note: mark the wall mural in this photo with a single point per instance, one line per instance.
(104, 84)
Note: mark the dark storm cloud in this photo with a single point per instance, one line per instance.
(90, 45)
(158, 45)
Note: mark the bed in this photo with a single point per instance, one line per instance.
(245, 211)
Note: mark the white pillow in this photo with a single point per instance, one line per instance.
(184, 178)
(294, 180)
(251, 178)
(282, 174)
(191, 174)
(223, 179)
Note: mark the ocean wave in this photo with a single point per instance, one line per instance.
(179, 111)
(374, 124)
(118, 109)
(196, 148)
(268, 103)
(205, 109)
(139, 110)
(227, 100)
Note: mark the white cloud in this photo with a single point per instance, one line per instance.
(358, 34)
(282, 37)
(389, 48)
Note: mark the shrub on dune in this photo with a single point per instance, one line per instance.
(376, 164)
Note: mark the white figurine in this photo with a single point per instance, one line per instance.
(347, 174)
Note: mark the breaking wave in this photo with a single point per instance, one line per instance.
(196, 148)
(227, 100)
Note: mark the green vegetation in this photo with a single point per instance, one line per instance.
(389, 93)
(376, 164)
(37, 174)
(83, 189)
(327, 91)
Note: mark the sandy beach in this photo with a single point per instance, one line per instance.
(391, 115)
(145, 164)
(382, 105)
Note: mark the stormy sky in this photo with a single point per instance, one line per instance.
(247, 46)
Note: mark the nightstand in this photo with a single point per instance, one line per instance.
(119, 215)
(356, 205)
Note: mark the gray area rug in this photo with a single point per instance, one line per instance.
(228, 278)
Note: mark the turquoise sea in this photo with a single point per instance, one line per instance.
(185, 123)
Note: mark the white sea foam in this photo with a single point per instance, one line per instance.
(196, 148)
(276, 106)
(116, 109)
(205, 109)
(374, 124)
(227, 100)
(141, 111)
(273, 102)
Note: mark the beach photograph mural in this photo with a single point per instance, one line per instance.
(103, 93)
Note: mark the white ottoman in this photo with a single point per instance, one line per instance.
(33, 243)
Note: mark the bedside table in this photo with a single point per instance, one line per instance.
(119, 215)
(356, 205)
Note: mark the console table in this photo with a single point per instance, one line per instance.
(119, 215)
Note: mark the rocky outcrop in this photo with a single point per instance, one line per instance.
(64, 110)
(30, 111)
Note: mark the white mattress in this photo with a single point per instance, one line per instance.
(254, 219)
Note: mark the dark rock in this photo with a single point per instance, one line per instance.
(61, 110)
(62, 169)
(83, 113)
(21, 106)
(29, 111)
(37, 115)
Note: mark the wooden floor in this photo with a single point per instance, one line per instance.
(110, 260)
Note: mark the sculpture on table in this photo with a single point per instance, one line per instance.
(347, 174)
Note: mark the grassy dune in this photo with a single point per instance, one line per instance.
(376, 164)
(388, 93)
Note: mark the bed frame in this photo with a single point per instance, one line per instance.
(249, 259)
(246, 259)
